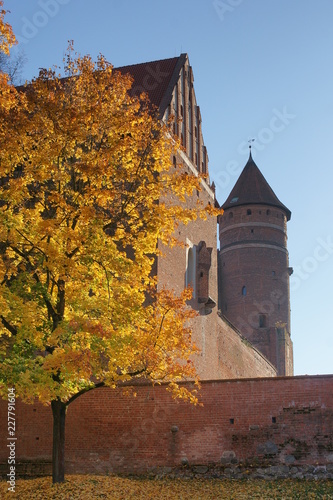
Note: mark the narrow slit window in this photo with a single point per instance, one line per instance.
(262, 321)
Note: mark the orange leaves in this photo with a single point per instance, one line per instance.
(163, 337)
(7, 37)
(87, 191)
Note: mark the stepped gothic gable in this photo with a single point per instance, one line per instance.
(169, 85)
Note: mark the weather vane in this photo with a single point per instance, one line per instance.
(250, 141)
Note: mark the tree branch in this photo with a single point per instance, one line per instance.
(7, 325)
(83, 391)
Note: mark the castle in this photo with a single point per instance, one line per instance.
(242, 291)
(256, 417)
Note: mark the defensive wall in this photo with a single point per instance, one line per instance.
(268, 427)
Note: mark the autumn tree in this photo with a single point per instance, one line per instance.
(10, 66)
(7, 40)
(87, 190)
(7, 37)
(13, 65)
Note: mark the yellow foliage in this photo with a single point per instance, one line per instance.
(87, 190)
(7, 37)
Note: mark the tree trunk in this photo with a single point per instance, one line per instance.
(58, 453)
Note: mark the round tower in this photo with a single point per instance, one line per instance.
(254, 267)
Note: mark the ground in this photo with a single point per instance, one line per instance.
(116, 488)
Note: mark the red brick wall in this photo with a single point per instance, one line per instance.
(253, 256)
(238, 358)
(257, 421)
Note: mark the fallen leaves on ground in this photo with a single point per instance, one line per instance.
(119, 488)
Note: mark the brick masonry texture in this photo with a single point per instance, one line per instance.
(256, 423)
(254, 279)
(223, 352)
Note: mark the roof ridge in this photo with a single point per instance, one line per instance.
(149, 62)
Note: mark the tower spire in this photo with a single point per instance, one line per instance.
(250, 146)
(253, 259)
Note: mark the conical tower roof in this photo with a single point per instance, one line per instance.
(252, 188)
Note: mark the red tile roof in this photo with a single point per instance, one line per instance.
(252, 188)
(157, 78)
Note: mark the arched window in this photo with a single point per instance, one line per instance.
(190, 275)
(249, 211)
(244, 291)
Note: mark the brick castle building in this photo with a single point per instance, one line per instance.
(242, 290)
(256, 417)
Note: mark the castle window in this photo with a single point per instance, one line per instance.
(204, 158)
(231, 215)
(244, 291)
(262, 321)
(252, 230)
(191, 268)
(273, 273)
(249, 212)
(268, 212)
(233, 200)
(190, 126)
(175, 102)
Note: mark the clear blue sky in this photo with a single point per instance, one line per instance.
(263, 69)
